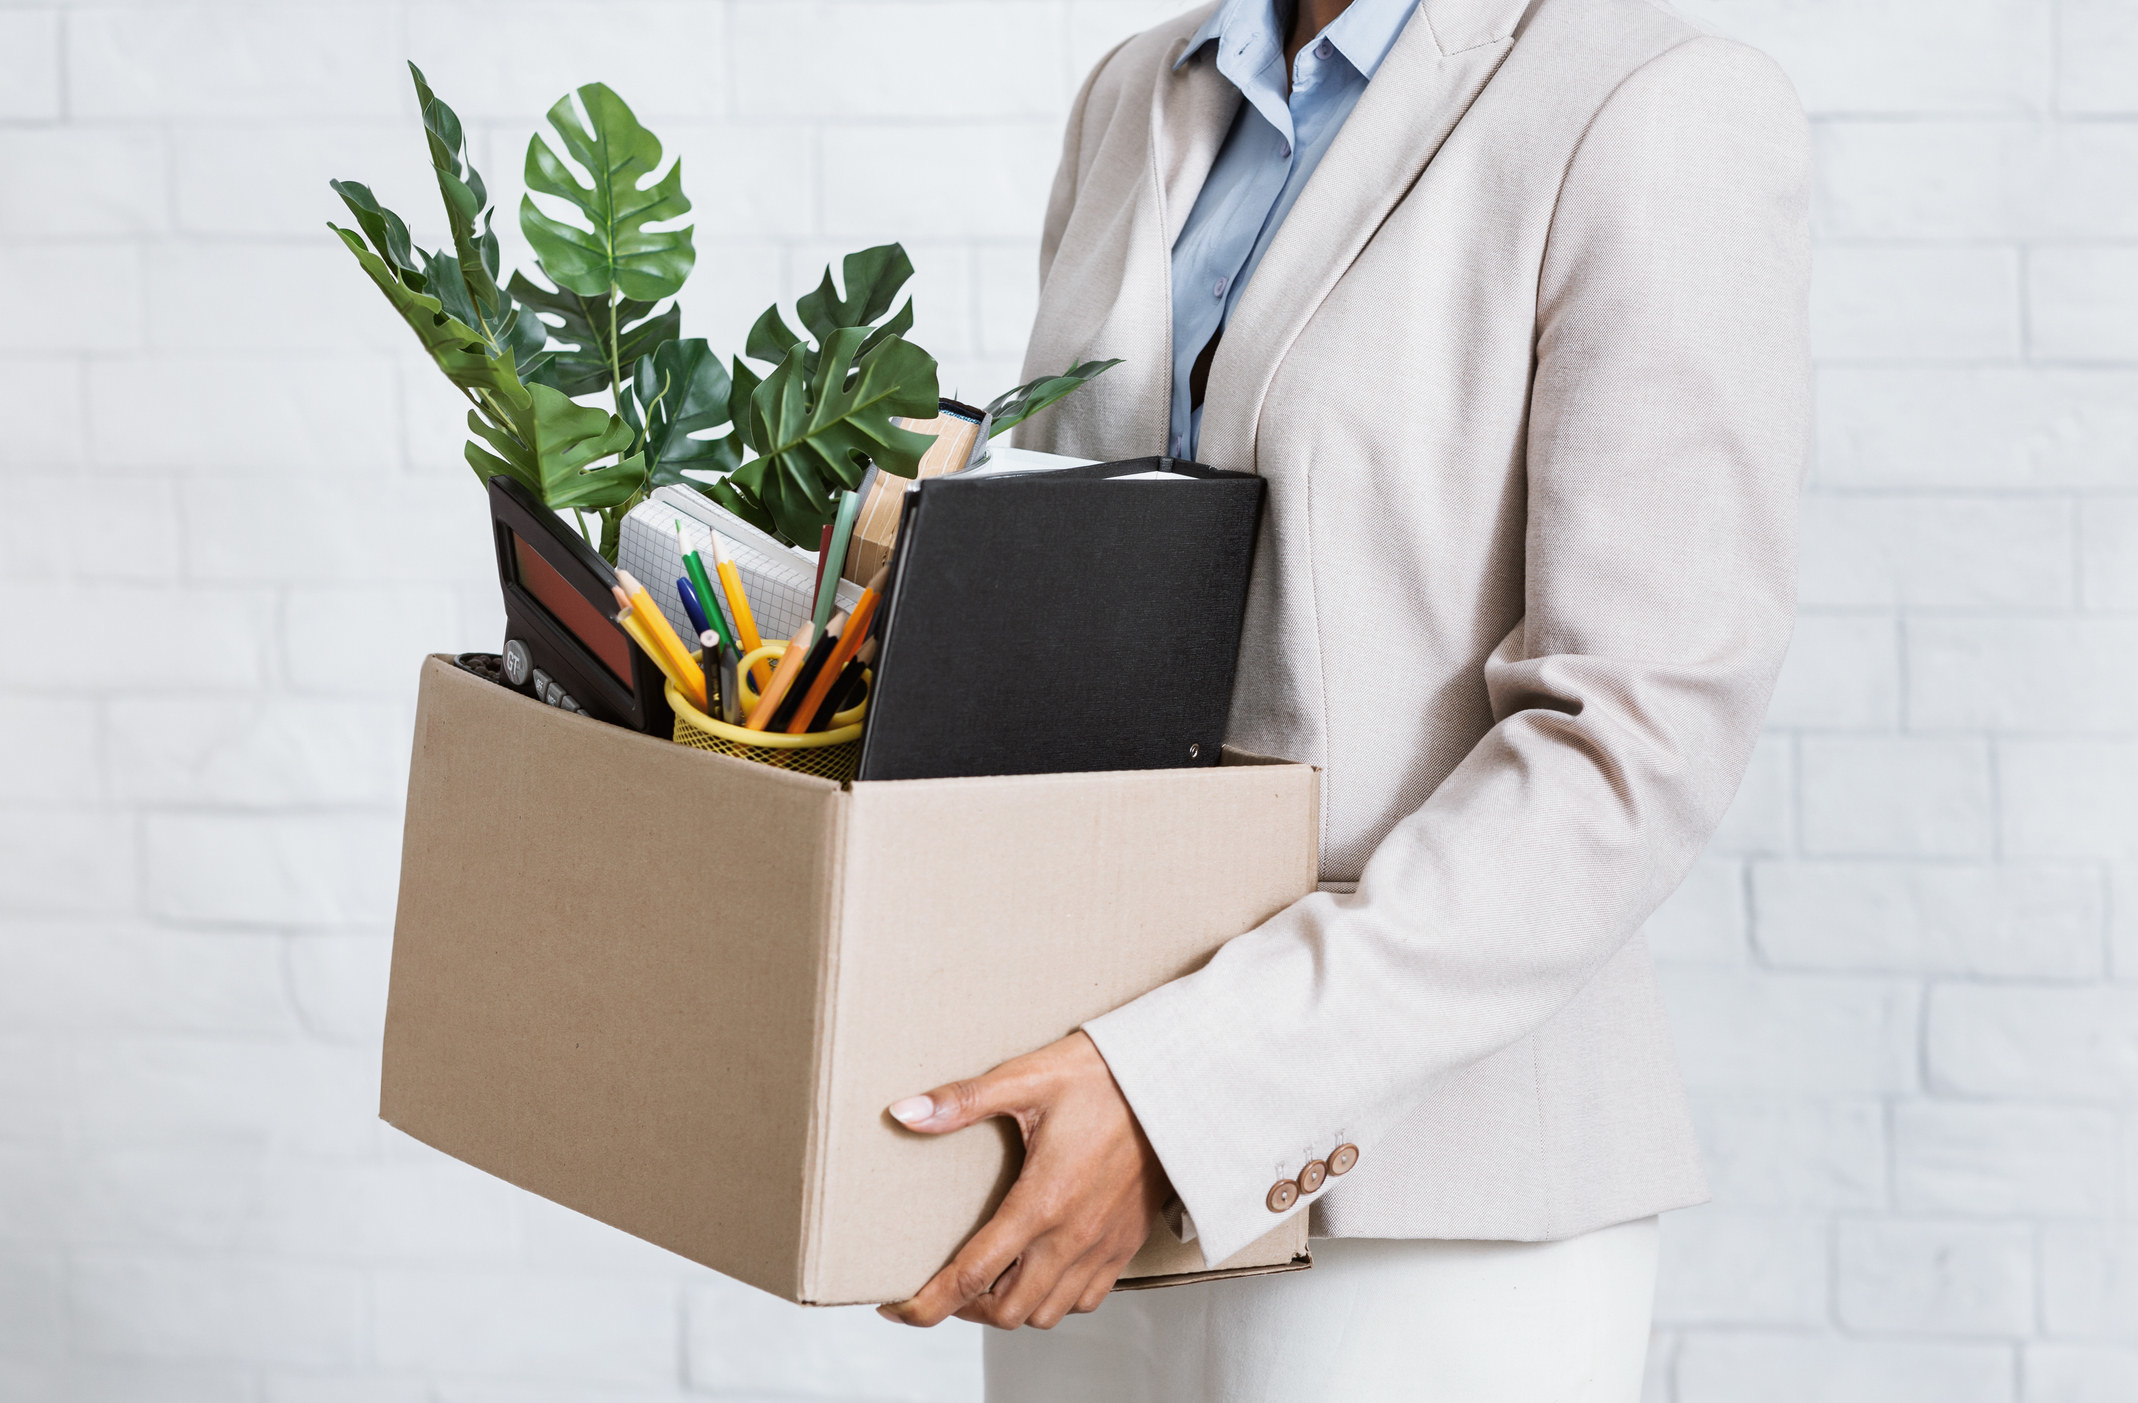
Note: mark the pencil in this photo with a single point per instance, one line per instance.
(746, 639)
(663, 635)
(857, 627)
(842, 535)
(716, 664)
(820, 652)
(707, 604)
(691, 611)
(851, 689)
(816, 588)
(782, 677)
(863, 661)
(687, 679)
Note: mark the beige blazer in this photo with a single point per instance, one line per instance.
(1526, 371)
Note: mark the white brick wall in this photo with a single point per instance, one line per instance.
(1905, 980)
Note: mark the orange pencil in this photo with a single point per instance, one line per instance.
(790, 665)
(857, 627)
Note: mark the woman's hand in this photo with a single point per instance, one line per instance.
(1082, 1205)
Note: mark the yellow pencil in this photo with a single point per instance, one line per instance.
(657, 625)
(690, 681)
(738, 606)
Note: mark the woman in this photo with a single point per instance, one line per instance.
(1507, 305)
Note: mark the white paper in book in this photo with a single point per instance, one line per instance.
(780, 580)
(1001, 458)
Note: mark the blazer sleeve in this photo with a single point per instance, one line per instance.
(1668, 421)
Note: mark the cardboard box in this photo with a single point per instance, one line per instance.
(675, 990)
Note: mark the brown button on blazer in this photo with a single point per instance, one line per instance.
(1526, 370)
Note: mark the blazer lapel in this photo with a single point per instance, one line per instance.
(1443, 59)
(1191, 110)
(1190, 114)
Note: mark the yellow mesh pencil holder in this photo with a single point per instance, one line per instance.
(834, 754)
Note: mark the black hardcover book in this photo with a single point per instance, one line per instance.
(1083, 618)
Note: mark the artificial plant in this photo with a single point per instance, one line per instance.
(524, 354)
(824, 411)
(1013, 407)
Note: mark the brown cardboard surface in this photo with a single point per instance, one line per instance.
(1167, 1261)
(985, 917)
(563, 1014)
(674, 990)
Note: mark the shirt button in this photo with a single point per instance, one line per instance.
(1217, 289)
(1324, 49)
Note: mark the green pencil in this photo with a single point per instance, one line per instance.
(842, 533)
(707, 598)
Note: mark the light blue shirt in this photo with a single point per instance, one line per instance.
(1274, 145)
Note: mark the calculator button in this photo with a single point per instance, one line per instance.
(517, 662)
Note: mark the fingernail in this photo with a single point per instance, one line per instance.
(888, 1314)
(913, 1110)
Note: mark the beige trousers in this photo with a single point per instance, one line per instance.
(1375, 1321)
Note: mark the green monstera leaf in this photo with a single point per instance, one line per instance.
(615, 253)
(388, 235)
(873, 278)
(816, 435)
(582, 355)
(679, 390)
(568, 438)
(470, 298)
(536, 434)
(461, 187)
(513, 330)
(824, 412)
(491, 341)
(1013, 407)
(465, 281)
(728, 493)
(553, 448)
(491, 380)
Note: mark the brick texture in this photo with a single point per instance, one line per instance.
(1904, 979)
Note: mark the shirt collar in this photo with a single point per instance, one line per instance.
(1363, 33)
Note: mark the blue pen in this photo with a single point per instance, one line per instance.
(690, 606)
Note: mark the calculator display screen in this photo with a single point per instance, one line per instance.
(572, 611)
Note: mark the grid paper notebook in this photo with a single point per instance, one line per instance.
(779, 579)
